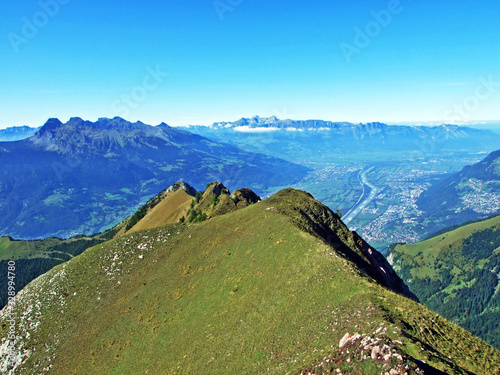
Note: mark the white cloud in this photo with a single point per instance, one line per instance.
(248, 129)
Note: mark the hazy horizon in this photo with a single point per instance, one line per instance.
(486, 124)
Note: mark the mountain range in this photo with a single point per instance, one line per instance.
(273, 123)
(294, 139)
(397, 162)
(470, 194)
(274, 286)
(80, 177)
(427, 139)
(84, 177)
(16, 133)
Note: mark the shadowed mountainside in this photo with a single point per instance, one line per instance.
(84, 177)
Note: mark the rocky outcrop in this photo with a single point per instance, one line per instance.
(181, 185)
(244, 197)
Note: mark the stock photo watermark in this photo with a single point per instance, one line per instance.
(32, 25)
(11, 314)
(138, 94)
(223, 6)
(364, 36)
(461, 112)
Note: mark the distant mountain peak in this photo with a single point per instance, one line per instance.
(50, 125)
(52, 122)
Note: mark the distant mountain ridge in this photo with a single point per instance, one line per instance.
(470, 194)
(451, 131)
(82, 177)
(275, 136)
(274, 122)
(16, 133)
(81, 136)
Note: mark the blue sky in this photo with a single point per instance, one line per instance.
(200, 61)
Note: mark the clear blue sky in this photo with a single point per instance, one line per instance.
(261, 57)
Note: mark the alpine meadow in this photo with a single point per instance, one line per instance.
(250, 187)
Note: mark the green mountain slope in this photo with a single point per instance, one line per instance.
(281, 286)
(34, 258)
(457, 274)
(167, 207)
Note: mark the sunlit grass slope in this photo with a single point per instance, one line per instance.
(271, 288)
(168, 211)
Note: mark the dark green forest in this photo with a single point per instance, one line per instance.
(463, 281)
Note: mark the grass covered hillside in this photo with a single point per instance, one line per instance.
(34, 258)
(457, 274)
(176, 203)
(165, 208)
(280, 287)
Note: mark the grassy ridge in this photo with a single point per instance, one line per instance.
(247, 292)
(169, 210)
